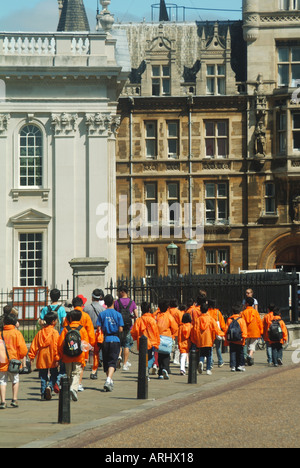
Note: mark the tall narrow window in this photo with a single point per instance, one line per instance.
(282, 128)
(31, 156)
(270, 202)
(216, 139)
(151, 139)
(296, 132)
(173, 202)
(216, 203)
(151, 202)
(173, 264)
(30, 259)
(173, 140)
(151, 263)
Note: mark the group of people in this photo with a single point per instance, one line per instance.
(108, 327)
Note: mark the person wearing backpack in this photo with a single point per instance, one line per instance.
(254, 328)
(267, 320)
(55, 306)
(278, 335)
(72, 349)
(128, 309)
(235, 337)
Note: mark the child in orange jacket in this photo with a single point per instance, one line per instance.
(16, 348)
(237, 359)
(74, 365)
(267, 320)
(203, 334)
(184, 341)
(44, 347)
(217, 315)
(254, 328)
(146, 326)
(277, 342)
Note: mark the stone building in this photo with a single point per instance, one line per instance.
(210, 133)
(57, 135)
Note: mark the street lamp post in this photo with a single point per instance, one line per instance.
(191, 247)
(172, 251)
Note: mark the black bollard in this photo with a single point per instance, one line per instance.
(193, 366)
(142, 390)
(64, 408)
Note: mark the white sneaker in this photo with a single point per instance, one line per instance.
(165, 374)
(108, 386)
(154, 369)
(126, 366)
(73, 394)
(200, 367)
(208, 372)
(80, 388)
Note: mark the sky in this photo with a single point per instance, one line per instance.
(42, 15)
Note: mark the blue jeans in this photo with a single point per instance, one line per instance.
(277, 353)
(269, 352)
(218, 345)
(206, 353)
(43, 375)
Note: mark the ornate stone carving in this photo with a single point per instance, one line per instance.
(102, 124)
(4, 120)
(64, 124)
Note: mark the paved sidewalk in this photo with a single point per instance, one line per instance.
(34, 424)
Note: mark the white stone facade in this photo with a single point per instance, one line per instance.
(58, 119)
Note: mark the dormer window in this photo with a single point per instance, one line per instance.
(215, 79)
(161, 80)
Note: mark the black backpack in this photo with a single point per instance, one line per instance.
(72, 342)
(125, 312)
(275, 331)
(234, 332)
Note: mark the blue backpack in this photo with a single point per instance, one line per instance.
(234, 332)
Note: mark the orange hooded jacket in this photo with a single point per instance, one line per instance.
(184, 337)
(84, 337)
(204, 331)
(167, 325)
(283, 328)
(243, 326)
(217, 315)
(253, 321)
(267, 320)
(44, 346)
(85, 322)
(15, 345)
(147, 326)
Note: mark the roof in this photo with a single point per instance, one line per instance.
(73, 16)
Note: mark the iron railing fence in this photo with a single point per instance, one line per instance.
(29, 301)
(279, 288)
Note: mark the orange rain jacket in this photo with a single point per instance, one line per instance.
(243, 326)
(283, 328)
(15, 345)
(146, 325)
(44, 346)
(184, 337)
(167, 325)
(85, 322)
(253, 321)
(217, 315)
(204, 331)
(84, 337)
(266, 324)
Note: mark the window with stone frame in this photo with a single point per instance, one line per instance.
(161, 80)
(288, 65)
(216, 138)
(296, 132)
(151, 139)
(31, 156)
(216, 203)
(151, 263)
(215, 80)
(31, 259)
(213, 259)
(270, 198)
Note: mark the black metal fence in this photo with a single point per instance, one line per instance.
(29, 301)
(279, 288)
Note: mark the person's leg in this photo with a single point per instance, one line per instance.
(43, 375)
(15, 389)
(218, 344)
(3, 386)
(232, 351)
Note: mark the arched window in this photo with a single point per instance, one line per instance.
(31, 156)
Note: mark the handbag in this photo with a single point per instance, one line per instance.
(13, 364)
(166, 344)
